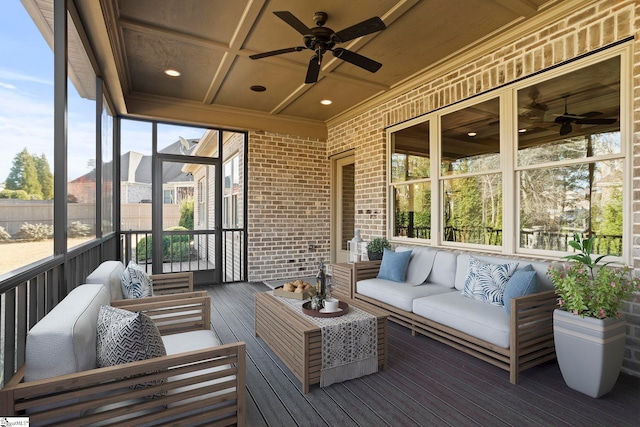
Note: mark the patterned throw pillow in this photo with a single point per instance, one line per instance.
(486, 282)
(135, 282)
(124, 336)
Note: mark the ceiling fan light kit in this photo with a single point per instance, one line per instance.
(322, 39)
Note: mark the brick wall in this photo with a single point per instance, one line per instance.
(289, 205)
(597, 25)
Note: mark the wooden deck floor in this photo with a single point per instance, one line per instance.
(427, 384)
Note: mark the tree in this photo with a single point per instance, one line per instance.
(24, 175)
(44, 176)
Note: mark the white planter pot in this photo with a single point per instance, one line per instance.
(589, 351)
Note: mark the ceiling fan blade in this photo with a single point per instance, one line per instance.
(297, 24)
(565, 129)
(369, 26)
(314, 70)
(357, 59)
(277, 52)
(596, 121)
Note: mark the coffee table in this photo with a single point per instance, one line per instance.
(298, 341)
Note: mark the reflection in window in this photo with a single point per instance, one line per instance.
(413, 210)
(567, 124)
(557, 202)
(410, 172)
(472, 206)
(472, 210)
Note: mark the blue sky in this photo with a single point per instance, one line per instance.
(26, 101)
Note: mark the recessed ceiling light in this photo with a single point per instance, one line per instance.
(257, 88)
(523, 130)
(171, 72)
(326, 102)
(472, 134)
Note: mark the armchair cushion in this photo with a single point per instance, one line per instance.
(523, 282)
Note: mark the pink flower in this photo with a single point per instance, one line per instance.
(613, 285)
(602, 313)
(560, 302)
(575, 312)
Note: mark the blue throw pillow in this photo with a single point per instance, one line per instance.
(394, 265)
(523, 282)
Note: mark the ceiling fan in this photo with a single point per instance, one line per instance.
(565, 120)
(321, 39)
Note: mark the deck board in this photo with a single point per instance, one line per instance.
(427, 383)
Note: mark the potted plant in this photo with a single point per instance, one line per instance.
(589, 329)
(375, 248)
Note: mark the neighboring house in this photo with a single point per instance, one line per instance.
(135, 179)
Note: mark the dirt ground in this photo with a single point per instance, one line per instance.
(15, 255)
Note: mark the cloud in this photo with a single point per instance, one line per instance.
(7, 74)
(7, 86)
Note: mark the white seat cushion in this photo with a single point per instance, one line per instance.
(397, 294)
(484, 321)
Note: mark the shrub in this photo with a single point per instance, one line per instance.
(4, 236)
(35, 231)
(78, 229)
(186, 214)
(145, 245)
(179, 251)
(14, 194)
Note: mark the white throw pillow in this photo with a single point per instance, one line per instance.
(486, 282)
(135, 282)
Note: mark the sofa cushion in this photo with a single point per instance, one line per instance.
(486, 282)
(400, 295)
(135, 282)
(420, 264)
(394, 265)
(64, 341)
(109, 273)
(523, 282)
(444, 269)
(483, 321)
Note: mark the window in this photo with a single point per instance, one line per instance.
(570, 159)
(471, 181)
(411, 183)
(523, 178)
(232, 190)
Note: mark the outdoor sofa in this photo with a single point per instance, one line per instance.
(429, 300)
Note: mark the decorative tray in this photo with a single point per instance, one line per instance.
(343, 309)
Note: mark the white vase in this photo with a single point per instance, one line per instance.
(354, 247)
(589, 351)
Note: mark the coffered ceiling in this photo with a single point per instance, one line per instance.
(209, 43)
